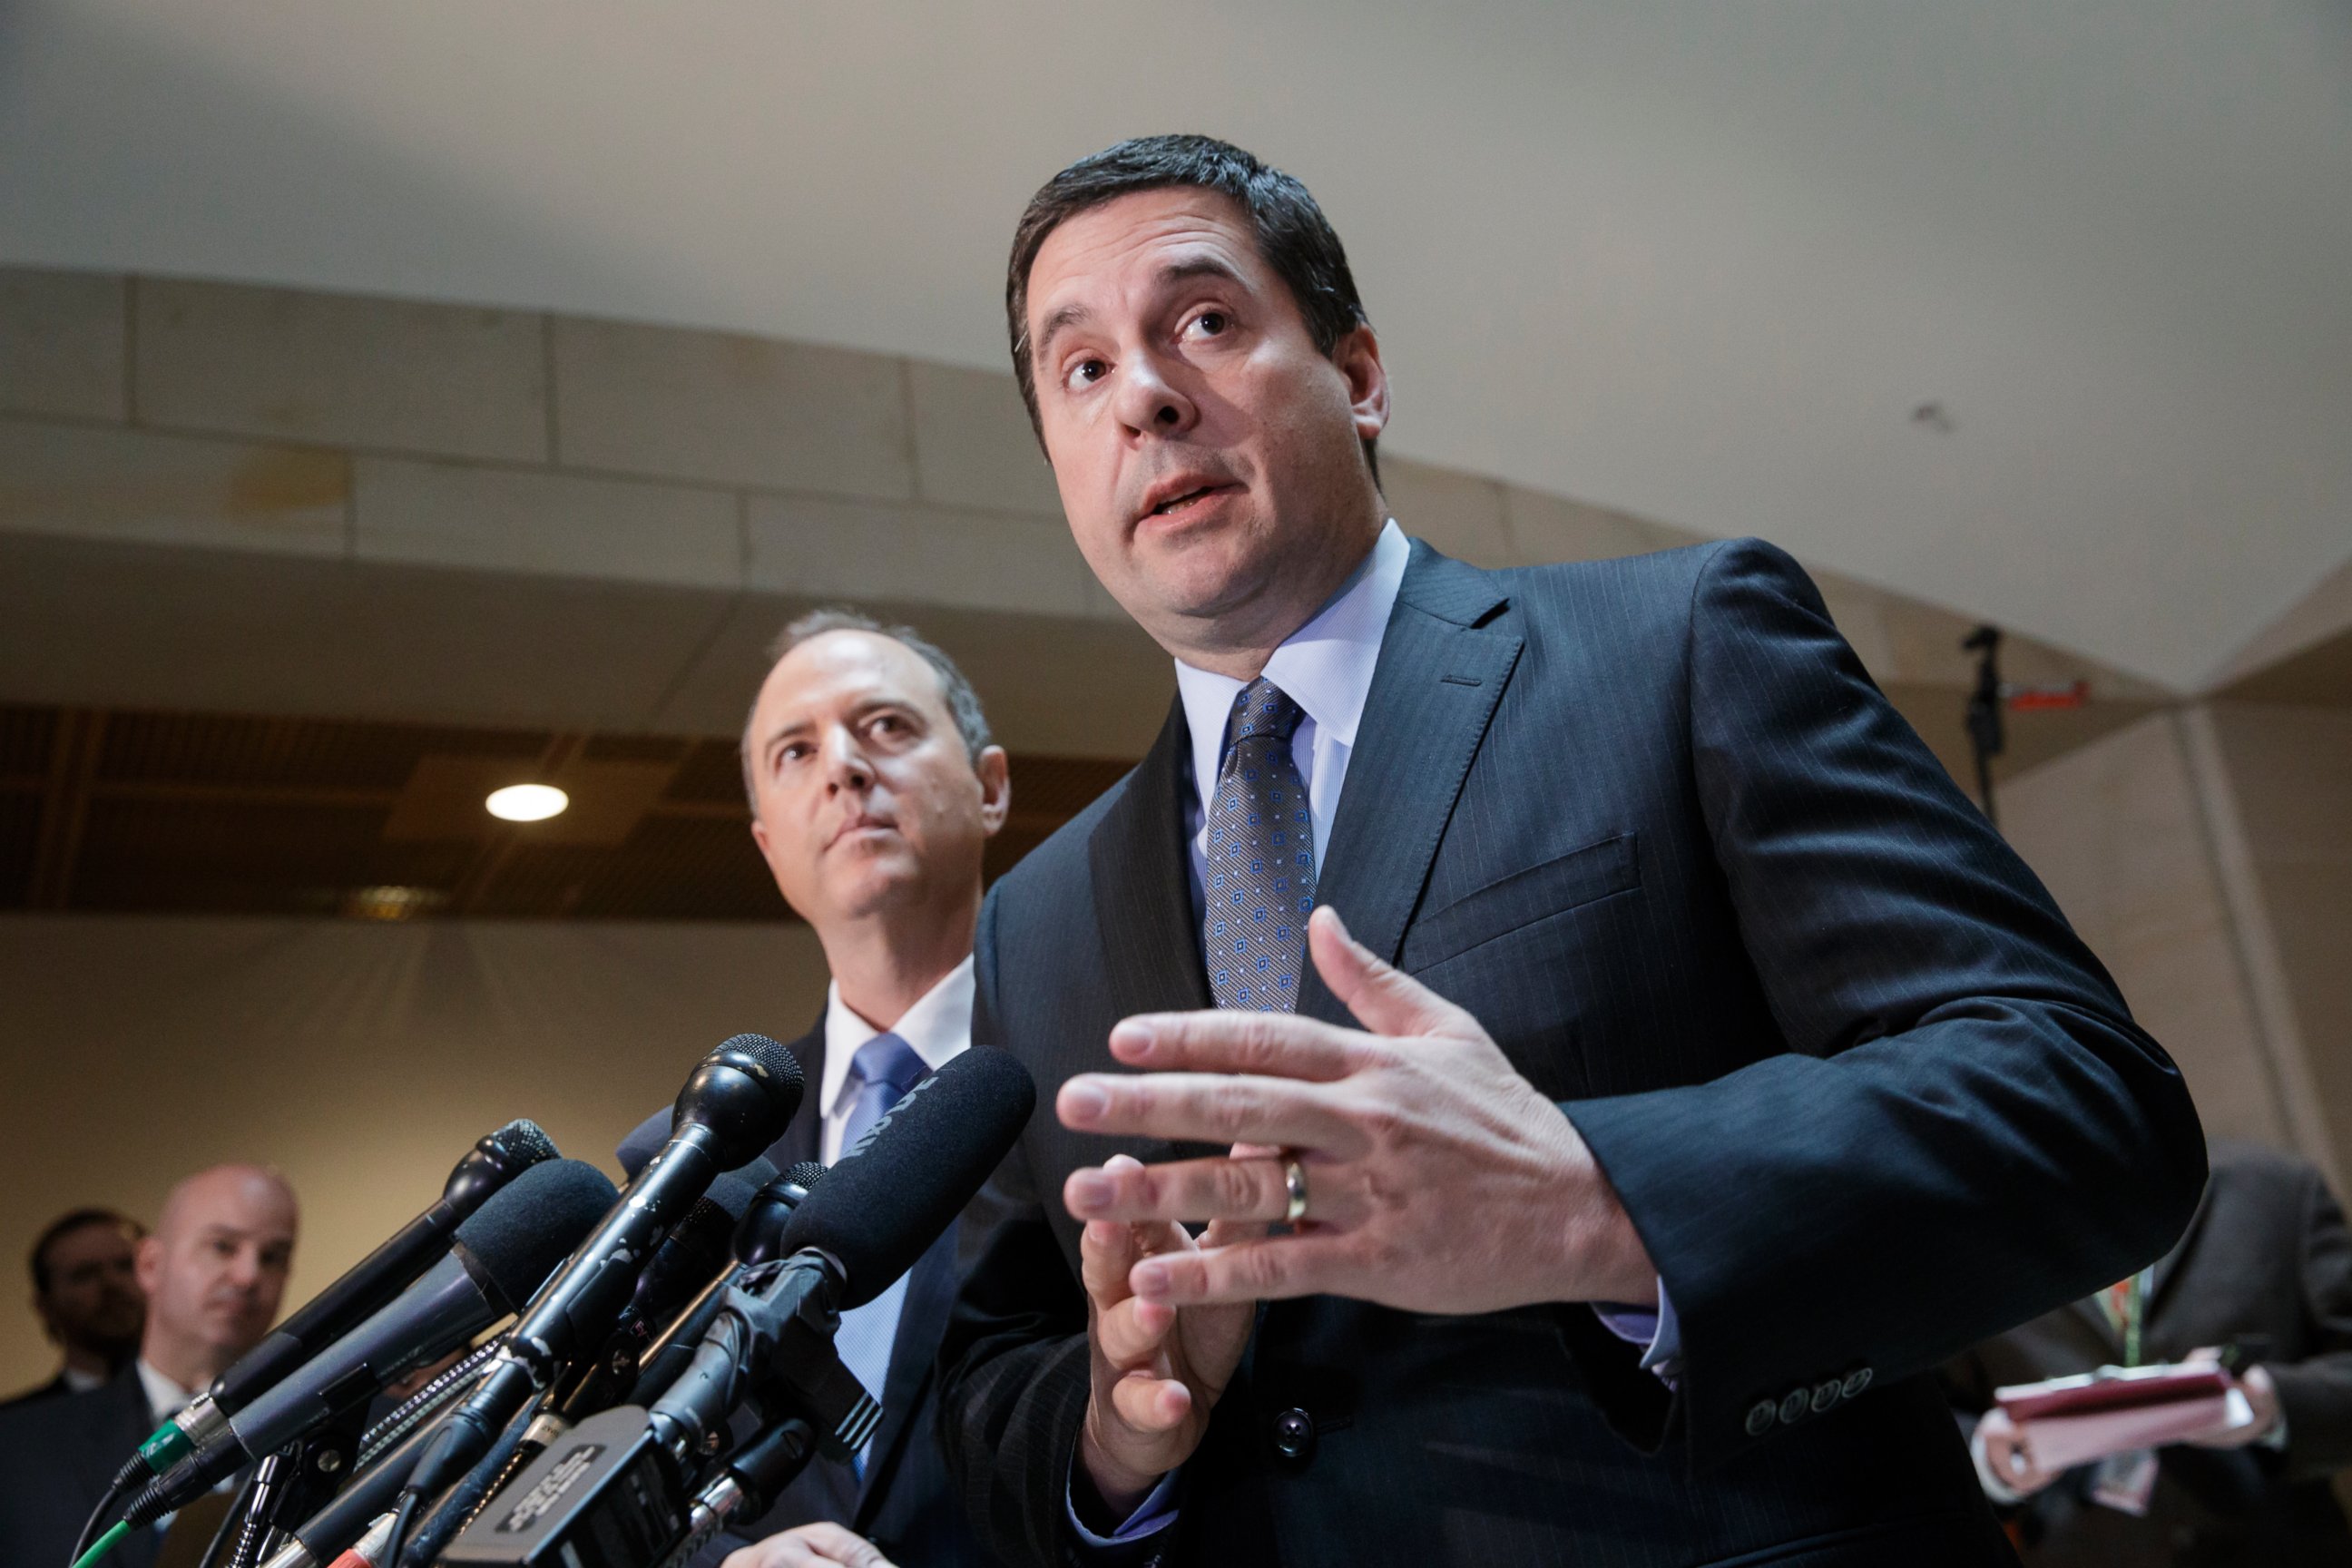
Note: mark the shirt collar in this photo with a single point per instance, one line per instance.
(164, 1397)
(1325, 667)
(938, 1027)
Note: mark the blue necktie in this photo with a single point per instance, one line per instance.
(1261, 859)
(884, 1068)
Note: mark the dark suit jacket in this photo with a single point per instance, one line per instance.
(1864, 1094)
(2266, 1265)
(904, 1504)
(56, 1458)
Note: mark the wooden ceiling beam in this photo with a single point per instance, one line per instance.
(65, 806)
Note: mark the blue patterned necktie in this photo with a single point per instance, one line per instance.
(1261, 859)
(884, 1070)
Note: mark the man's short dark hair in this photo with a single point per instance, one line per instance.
(1293, 236)
(963, 702)
(65, 1224)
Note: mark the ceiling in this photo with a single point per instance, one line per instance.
(121, 811)
(1698, 262)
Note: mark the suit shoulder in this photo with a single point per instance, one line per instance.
(1051, 869)
(1675, 573)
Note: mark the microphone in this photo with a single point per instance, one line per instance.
(736, 1102)
(494, 1160)
(497, 1259)
(762, 1224)
(894, 1191)
(617, 1488)
(693, 1253)
(667, 1355)
(879, 1207)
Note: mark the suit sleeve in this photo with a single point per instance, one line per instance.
(1958, 1127)
(1014, 1378)
(2316, 1393)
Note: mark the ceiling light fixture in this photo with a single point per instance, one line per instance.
(527, 802)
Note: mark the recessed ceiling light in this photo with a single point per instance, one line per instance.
(527, 802)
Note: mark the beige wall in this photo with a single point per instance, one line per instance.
(2116, 832)
(361, 1059)
(2289, 774)
(2205, 853)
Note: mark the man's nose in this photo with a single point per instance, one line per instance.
(1149, 401)
(845, 763)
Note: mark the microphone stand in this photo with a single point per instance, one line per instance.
(1987, 738)
(291, 1483)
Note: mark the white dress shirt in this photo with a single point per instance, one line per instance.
(164, 1397)
(1325, 667)
(938, 1026)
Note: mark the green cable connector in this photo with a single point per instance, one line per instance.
(104, 1544)
(167, 1448)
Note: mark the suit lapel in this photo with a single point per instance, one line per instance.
(1142, 883)
(922, 1322)
(1441, 673)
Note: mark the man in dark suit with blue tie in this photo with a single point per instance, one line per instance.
(1675, 1069)
(874, 788)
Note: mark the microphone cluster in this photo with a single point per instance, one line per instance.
(666, 1362)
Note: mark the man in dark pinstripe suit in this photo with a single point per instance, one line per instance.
(1674, 1070)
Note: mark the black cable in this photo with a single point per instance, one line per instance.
(474, 1491)
(402, 1518)
(133, 1472)
(232, 1524)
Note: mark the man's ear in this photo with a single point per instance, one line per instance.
(1357, 356)
(147, 1262)
(996, 772)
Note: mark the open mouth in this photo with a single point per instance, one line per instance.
(1178, 503)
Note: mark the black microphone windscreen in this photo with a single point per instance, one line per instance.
(742, 1096)
(526, 1230)
(523, 1142)
(892, 1193)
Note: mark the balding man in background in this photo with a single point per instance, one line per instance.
(86, 1293)
(214, 1272)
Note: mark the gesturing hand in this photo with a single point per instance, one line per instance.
(820, 1545)
(1439, 1179)
(1158, 1370)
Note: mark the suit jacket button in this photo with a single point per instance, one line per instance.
(1855, 1382)
(1293, 1433)
(1795, 1404)
(1826, 1394)
(1761, 1416)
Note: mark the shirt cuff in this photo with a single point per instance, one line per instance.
(1155, 1514)
(1658, 1329)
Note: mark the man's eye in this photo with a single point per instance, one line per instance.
(1086, 372)
(1212, 323)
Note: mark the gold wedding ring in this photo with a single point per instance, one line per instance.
(1294, 1181)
